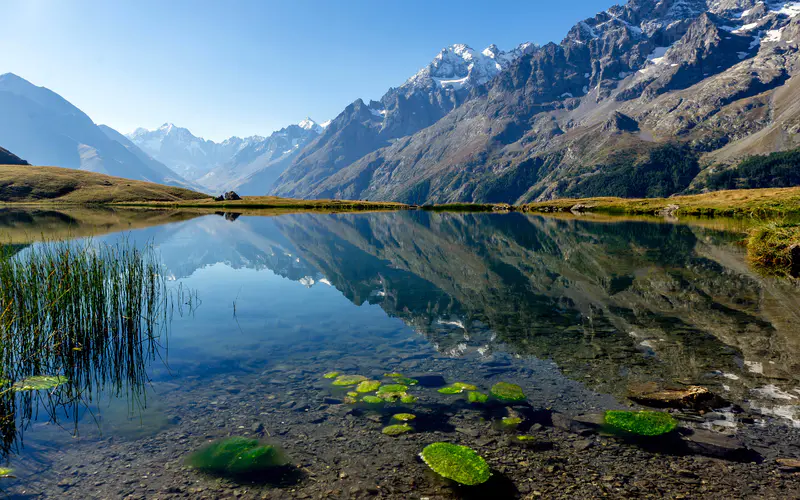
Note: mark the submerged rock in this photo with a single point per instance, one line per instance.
(693, 396)
(715, 444)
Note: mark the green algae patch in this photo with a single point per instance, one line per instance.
(373, 400)
(525, 439)
(350, 400)
(393, 375)
(642, 423)
(40, 383)
(477, 397)
(450, 390)
(396, 430)
(408, 399)
(507, 392)
(509, 423)
(404, 417)
(353, 394)
(457, 388)
(348, 380)
(331, 375)
(236, 456)
(393, 388)
(368, 386)
(459, 463)
(6, 473)
(406, 381)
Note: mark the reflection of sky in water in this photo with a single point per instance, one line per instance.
(610, 304)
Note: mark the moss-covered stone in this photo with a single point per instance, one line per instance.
(236, 456)
(348, 380)
(393, 375)
(408, 399)
(641, 423)
(508, 423)
(396, 430)
(457, 388)
(477, 397)
(373, 400)
(393, 388)
(368, 386)
(508, 392)
(404, 417)
(353, 394)
(350, 400)
(40, 383)
(459, 463)
(331, 375)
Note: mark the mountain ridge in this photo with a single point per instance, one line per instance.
(698, 75)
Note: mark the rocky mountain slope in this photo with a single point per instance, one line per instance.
(422, 100)
(46, 129)
(644, 99)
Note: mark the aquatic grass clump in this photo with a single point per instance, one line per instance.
(237, 456)
(774, 248)
(348, 380)
(82, 317)
(641, 423)
(507, 392)
(396, 430)
(368, 386)
(459, 463)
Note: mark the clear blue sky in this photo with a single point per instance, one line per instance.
(233, 67)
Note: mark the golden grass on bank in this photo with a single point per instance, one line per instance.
(29, 184)
(757, 202)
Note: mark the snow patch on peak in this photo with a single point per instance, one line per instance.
(459, 66)
(309, 124)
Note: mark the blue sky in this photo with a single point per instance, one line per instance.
(233, 67)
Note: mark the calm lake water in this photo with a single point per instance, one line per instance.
(576, 311)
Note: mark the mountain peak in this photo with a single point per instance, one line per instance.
(309, 124)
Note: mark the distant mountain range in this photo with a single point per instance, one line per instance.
(651, 98)
(248, 166)
(45, 129)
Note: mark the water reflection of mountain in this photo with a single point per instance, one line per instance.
(610, 303)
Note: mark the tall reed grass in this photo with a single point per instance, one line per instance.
(92, 313)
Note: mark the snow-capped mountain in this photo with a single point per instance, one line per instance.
(423, 99)
(459, 66)
(309, 124)
(190, 156)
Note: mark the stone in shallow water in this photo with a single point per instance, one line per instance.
(715, 444)
(693, 396)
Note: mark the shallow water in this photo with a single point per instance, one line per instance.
(574, 311)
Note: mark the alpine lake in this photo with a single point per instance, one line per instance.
(347, 343)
